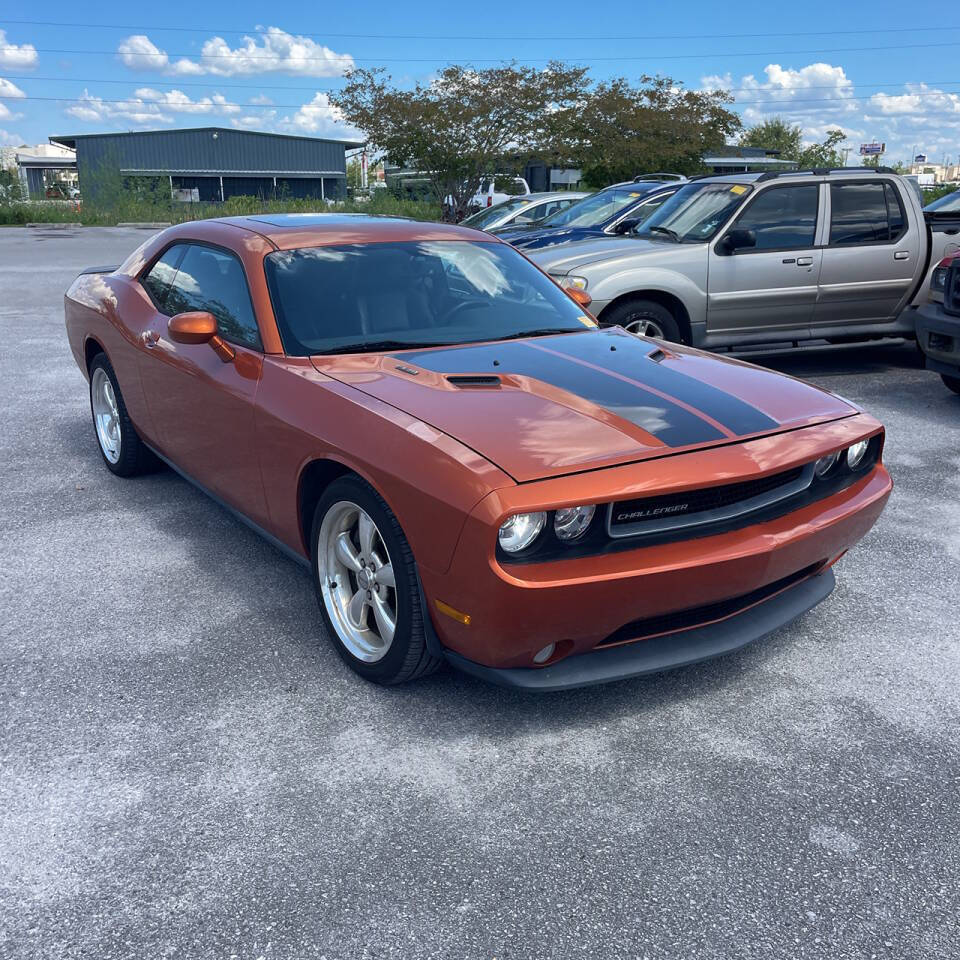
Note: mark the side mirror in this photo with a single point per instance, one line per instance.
(737, 239)
(199, 327)
(626, 226)
(580, 297)
(194, 327)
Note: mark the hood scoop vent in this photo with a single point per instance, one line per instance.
(474, 380)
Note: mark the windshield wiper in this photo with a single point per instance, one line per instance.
(543, 332)
(376, 346)
(666, 231)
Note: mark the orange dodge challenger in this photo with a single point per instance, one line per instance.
(474, 472)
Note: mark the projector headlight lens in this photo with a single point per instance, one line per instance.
(520, 530)
(825, 464)
(572, 522)
(856, 452)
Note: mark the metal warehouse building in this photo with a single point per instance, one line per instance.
(212, 163)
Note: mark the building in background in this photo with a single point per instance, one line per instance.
(931, 174)
(737, 159)
(46, 171)
(207, 164)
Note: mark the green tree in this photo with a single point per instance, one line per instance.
(826, 154)
(466, 123)
(621, 131)
(775, 134)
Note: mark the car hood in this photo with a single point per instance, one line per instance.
(548, 406)
(563, 260)
(553, 235)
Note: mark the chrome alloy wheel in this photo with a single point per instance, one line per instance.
(645, 327)
(357, 581)
(106, 414)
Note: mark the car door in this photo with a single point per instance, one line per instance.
(202, 404)
(870, 256)
(771, 285)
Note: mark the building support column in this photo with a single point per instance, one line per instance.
(221, 190)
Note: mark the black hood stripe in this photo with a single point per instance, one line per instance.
(666, 420)
(631, 359)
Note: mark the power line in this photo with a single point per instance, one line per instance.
(240, 55)
(253, 31)
(313, 87)
(136, 100)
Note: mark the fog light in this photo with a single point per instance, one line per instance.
(825, 464)
(519, 531)
(542, 656)
(856, 452)
(572, 522)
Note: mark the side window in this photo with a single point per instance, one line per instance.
(783, 218)
(214, 281)
(864, 213)
(645, 209)
(160, 276)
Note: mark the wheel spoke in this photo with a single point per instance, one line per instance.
(346, 552)
(367, 533)
(357, 609)
(385, 576)
(384, 617)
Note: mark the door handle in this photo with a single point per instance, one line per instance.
(902, 255)
(804, 261)
(149, 338)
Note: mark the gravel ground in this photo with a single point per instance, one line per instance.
(188, 770)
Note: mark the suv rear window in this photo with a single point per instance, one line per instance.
(864, 213)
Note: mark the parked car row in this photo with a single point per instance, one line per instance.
(842, 254)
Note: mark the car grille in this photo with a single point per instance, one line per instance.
(628, 518)
(692, 617)
(951, 293)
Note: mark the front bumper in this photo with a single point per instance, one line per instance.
(588, 602)
(938, 334)
(664, 652)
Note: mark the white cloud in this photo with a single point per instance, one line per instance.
(178, 102)
(10, 90)
(140, 53)
(8, 139)
(135, 110)
(919, 99)
(7, 114)
(320, 116)
(15, 55)
(262, 100)
(260, 121)
(271, 50)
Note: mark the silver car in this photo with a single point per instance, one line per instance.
(836, 254)
(523, 211)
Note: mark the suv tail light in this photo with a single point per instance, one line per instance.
(938, 282)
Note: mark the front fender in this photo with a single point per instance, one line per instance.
(691, 290)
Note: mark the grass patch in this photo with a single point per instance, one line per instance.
(132, 206)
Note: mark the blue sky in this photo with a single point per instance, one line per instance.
(186, 64)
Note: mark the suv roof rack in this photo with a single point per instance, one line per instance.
(679, 177)
(822, 172)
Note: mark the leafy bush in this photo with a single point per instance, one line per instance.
(143, 202)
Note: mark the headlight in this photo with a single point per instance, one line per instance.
(825, 464)
(856, 452)
(572, 522)
(519, 531)
(938, 281)
(573, 283)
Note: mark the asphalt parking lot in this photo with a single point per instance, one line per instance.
(188, 770)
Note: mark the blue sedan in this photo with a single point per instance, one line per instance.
(614, 210)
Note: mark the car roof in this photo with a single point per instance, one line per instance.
(290, 230)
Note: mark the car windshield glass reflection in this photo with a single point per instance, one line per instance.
(694, 213)
(488, 215)
(594, 210)
(950, 203)
(384, 296)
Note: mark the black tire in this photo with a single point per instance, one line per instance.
(633, 312)
(407, 657)
(952, 383)
(135, 458)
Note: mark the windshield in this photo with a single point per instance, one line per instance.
(695, 212)
(949, 203)
(594, 210)
(490, 214)
(388, 296)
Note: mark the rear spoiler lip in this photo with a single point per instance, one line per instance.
(99, 270)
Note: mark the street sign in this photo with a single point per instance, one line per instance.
(872, 149)
(920, 158)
